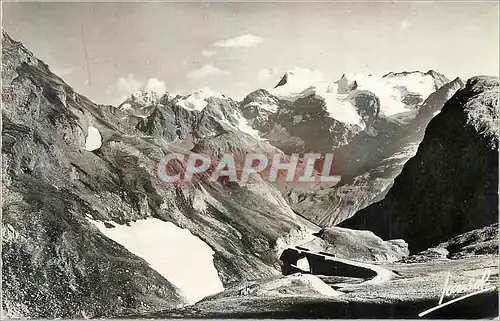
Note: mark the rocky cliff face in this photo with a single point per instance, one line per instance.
(451, 185)
(260, 108)
(56, 190)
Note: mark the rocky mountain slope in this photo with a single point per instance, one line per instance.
(76, 174)
(451, 185)
(356, 245)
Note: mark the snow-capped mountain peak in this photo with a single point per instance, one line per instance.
(399, 93)
(142, 103)
(197, 100)
(146, 97)
(301, 83)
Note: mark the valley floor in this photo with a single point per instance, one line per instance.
(415, 287)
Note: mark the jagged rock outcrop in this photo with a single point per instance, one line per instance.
(451, 185)
(260, 108)
(482, 241)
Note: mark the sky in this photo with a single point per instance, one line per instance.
(107, 51)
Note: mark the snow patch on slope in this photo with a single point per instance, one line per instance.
(338, 106)
(302, 84)
(141, 98)
(179, 256)
(243, 126)
(267, 105)
(126, 107)
(391, 90)
(93, 140)
(303, 264)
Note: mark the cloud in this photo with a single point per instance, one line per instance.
(208, 52)
(264, 74)
(156, 86)
(241, 90)
(205, 71)
(405, 24)
(306, 74)
(241, 41)
(208, 91)
(126, 86)
(301, 75)
(63, 71)
(241, 84)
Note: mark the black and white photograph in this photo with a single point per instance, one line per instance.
(250, 160)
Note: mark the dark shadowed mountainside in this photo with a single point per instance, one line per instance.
(451, 185)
